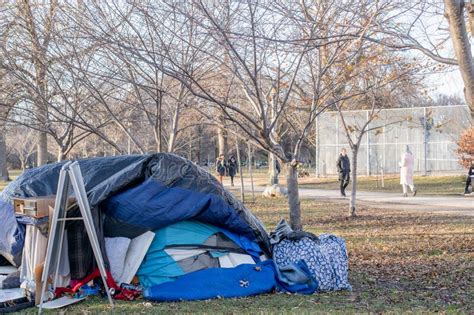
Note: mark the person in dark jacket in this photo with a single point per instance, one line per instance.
(221, 167)
(232, 169)
(344, 169)
(470, 176)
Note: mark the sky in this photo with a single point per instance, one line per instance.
(446, 83)
(450, 81)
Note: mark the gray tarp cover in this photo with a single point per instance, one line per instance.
(107, 176)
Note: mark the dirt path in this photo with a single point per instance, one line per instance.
(460, 205)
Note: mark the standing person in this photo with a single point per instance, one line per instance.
(221, 167)
(470, 176)
(406, 172)
(344, 168)
(233, 169)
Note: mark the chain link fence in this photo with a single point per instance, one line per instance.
(430, 132)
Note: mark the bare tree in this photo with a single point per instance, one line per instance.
(146, 76)
(376, 76)
(6, 103)
(419, 26)
(34, 30)
(21, 142)
(7, 89)
(454, 12)
(265, 53)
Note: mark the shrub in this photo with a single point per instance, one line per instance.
(465, 149)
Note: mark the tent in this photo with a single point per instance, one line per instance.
(130, 195)
(197, 234)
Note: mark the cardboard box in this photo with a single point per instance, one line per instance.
(37, 207)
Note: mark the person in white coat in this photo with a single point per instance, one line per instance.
(406, 172)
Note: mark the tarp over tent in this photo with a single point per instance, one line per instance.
(159, 189)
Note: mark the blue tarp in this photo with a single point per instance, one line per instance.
(154, 205)
(12, 234)
(164, 188)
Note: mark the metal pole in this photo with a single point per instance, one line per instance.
(316, 157)
(242, 195)
(337, 143)
(251, 170)
(54, 232)
(368, 145)
(383, 179)
(425, 143)
(396, 151)
(384, 161)
(81, 197)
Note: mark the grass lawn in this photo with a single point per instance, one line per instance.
(399, 262)
(426, 185)
(13, 174)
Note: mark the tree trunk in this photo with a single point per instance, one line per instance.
(174, 129)
(239, 163)
(42, 113)
(250, 170)
(157, 135)
(159, 103)
(222, 141)
(171, 141)
(272, 170)
(352, 204)
(23, 162)
(61, 154)
(42, 148)
(199, 147)
(293, 197)
(454, 11)
(3, 158)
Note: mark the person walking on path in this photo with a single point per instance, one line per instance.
(470, 177)
(232, 169)
(221, 167)
(344, 169)
(406, 172)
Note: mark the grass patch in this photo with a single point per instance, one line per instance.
(13, 175)
(426, 185)
(399, 262)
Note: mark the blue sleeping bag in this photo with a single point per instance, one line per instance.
(241, 281)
